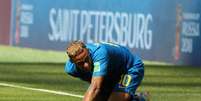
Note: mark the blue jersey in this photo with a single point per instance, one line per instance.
(109, 60)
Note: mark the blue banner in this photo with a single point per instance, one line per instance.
(158, 30)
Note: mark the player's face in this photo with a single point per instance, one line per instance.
(85, 64)
(83, 61)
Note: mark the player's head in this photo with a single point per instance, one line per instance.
(79, 54)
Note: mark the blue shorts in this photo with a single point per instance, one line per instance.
(130, 81)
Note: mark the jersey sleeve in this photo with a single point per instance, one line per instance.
(71, 69)
(100, 62)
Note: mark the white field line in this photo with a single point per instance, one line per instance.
(80, 96)
(41, 90)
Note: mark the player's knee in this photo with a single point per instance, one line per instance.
(119, 96)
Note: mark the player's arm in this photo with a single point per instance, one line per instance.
(94, 91)
(70, 69)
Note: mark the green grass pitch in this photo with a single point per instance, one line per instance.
(164, 82)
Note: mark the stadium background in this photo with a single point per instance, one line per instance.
(165, 31)
(161, 31)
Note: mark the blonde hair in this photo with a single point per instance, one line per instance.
(74, 48)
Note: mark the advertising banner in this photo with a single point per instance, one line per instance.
(158, 30)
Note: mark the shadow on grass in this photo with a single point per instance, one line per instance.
(171, 84)
(47, 75)
(63, 63)
(172, 66)
(31, 63)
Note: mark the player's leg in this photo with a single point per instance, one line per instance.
(143, 96)
(126, 87)
(119, 96)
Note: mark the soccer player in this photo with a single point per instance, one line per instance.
(113, 72)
